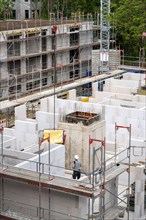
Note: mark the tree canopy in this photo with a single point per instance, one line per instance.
(129, 17)
(5, 8)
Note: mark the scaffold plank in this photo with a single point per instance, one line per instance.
(114, 172)
(115, 212)
(52, 182)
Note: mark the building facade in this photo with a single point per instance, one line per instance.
(21, 9)
(30, 54)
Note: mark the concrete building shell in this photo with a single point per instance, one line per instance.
(64, 107)
(27, 54)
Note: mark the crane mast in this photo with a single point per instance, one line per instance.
(104, 34)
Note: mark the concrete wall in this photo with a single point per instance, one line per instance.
(14, 157)
(68, 106)
(114, 60)
(120, 86)
(26, 134)
(9, 139)
(20, 112)
(26, 199)
(57, 161)
(134, 76)
(45, 120)
(125, 117)
(139, 192)
(77, 142)
(123, 103)
(102, 95)
(8, 142)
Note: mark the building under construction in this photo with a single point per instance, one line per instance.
(31, 52)
(36, 159)
(46, 119)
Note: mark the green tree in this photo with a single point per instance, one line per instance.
(129, 17)
(69, 6)
(5, 8)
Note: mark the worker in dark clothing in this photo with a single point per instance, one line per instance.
(76, 168)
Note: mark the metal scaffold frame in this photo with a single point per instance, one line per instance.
(35, 72)
(103, 172)
(104, 33)
(98, 171)
(129, 160)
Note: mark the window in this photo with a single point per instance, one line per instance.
(14, 14)
(26, 14)
(74, 74)
(35, 13)
(71, 74)
(44, 61)
(13, 46)
(74, 55)
(26, 0)
(36, 83)
(29, 86)
(44, 82)
(74, 36)
(44, 42)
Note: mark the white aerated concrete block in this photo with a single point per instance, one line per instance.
(44, 105)
(57, 161)
(139, 185)
(94, 88)
(20, 112)
(9, 132)
(26, 134)
(45, 120)
(72, 94)
(139, 192)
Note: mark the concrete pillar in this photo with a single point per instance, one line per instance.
(3, 47)
(23, 46)
(72, 94)
(139, 192)
(94, 88)
(23, 71)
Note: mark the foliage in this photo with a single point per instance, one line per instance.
(5, 8)
(69, 6)
(44, 9)
(129, 17)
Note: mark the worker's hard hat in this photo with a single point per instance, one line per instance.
(76, 157)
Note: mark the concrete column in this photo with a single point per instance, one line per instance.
(94, 88)
(139, 192)
(23, 46)
(72, 94)
(23, 71)
(3, 47)
(4, 75)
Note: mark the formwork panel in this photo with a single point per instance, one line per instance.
(86, 118)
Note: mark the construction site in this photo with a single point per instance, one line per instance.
(66, 90)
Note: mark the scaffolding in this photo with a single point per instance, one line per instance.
(99, 176)
(105, 176)
(104, 35)
(38, 73)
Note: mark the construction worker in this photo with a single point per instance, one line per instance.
(76, 167)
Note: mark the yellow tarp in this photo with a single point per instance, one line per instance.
(85, 99)
(56, 136)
